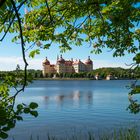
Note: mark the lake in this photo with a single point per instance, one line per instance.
(68, 107)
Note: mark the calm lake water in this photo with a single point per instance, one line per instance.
(68, 107)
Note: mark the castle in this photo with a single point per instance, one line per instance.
(67, 66)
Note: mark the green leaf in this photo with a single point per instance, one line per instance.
(34, 113)
(19, 118)
(137, 58)
(33, 105)
(3, 135)
(19, 106)
(46, 46)
(33, 53)
(26, 110)
(11, 124)
(5, 128)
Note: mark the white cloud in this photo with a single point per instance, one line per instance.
(10, 63)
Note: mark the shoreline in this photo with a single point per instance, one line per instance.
(61, 79)
(82, 79)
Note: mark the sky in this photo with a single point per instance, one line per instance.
(10, 56)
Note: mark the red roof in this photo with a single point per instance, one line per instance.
(88, 61)
(46, 62)
(76, 62)
(61, 60)
(69, 63)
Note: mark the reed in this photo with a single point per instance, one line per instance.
(121, 134)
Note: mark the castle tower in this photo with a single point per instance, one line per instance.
(60, 65)
(89, 64)
(46, 67)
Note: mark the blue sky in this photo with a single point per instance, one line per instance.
(10, 56)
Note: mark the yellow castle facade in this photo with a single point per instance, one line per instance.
(67, 66)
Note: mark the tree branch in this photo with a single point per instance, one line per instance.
(11, 20)
(22, 47)
(51, 19)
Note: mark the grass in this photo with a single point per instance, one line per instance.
(121, 134)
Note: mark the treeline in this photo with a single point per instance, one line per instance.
(71, 75)
(118, 73)
(30, 73)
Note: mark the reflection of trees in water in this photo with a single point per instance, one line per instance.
(73, 97)
(89, 97)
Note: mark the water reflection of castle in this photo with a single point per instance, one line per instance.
(67, 66)
(73, 97)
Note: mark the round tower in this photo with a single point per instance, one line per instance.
(89, 64)
(46, 66)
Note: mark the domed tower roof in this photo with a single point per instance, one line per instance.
(46, 62)
(61, 60)
(88, 61)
